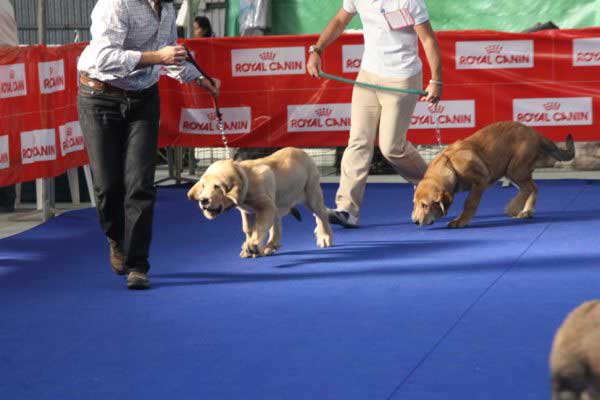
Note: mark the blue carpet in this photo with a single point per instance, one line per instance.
(392, 311)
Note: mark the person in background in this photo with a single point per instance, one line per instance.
(8, 37)
(391, 58)
(119, 114)
(202, 27)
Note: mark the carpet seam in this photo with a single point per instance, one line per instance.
(477, 300)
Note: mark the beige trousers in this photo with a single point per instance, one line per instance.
(386, 112)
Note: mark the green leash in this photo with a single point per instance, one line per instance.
(340, 79)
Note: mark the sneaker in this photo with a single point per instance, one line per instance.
(342, 217)
(117, 259)
(137, 280)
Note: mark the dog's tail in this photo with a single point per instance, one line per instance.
(296, 214)
(550, 148)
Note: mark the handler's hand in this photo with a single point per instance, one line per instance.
(434, 93)
(313, 66)
(172, 55)
(207, 84)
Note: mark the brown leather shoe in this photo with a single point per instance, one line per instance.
(137, 280)
(117, 259)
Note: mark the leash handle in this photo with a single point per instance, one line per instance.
(369, 85)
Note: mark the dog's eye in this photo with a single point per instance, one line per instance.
(216, 187)
(424, 206)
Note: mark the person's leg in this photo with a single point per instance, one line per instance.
(102, 124)
(140, 193)
(396, 111)
(357, 156)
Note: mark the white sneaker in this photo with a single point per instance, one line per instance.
(342, 217)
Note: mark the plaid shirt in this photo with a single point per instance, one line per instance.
(123, 29)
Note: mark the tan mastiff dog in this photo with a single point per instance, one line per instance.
(575, 355)
(264, 190)
(501, 149)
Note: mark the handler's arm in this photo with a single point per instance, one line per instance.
(332, 31)
(432, 52)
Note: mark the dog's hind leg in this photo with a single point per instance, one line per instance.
(530, 194)
(314, 202)
(522, 205)
(274, 242)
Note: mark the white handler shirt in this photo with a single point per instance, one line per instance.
(389, 53)
(121, 31)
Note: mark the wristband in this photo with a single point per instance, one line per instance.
(436, 82)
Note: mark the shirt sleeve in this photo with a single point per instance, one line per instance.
(109, 28)
(419, 12)
(349, 6)
(185, 72)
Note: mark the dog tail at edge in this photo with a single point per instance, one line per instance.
(549, 147)
(295, 213)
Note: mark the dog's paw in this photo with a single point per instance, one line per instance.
(250, 250)
(270, 249)
(457, 223)
(525, 214)
(324, 240)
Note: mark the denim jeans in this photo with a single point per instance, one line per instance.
(121, 138)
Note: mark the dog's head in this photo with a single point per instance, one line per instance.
(220, 188)
(431, 202)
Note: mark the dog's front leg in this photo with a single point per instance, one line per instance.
(263, 222)
(248, 228)
(470, 208)
(273, 243)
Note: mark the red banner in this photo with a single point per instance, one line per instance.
(549, 80)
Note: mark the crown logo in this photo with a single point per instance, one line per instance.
(323, 112)
(11, 74)
(69, 131)
(437, 108)
(212, 116)
(51, 70)
(493, 49)
(551, 105)
(267, 55)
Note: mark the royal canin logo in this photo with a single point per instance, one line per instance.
(323, 112)
(554, 111)
(437, 109)
(552, 105)
(494, 54)
(450, 114)
(268, 61)
(4, 156)
(493, 49)
(204, 120)
(71, 139)
(11, 74)
(267, 56)
(586, 52)
(318, 117)
(38, 146)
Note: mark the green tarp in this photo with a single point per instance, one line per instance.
(311, 16)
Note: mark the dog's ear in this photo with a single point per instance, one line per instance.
(237, 186)
(445, 201)
(193, 192)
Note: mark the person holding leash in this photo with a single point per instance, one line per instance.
(119, 114)
(391, 59)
